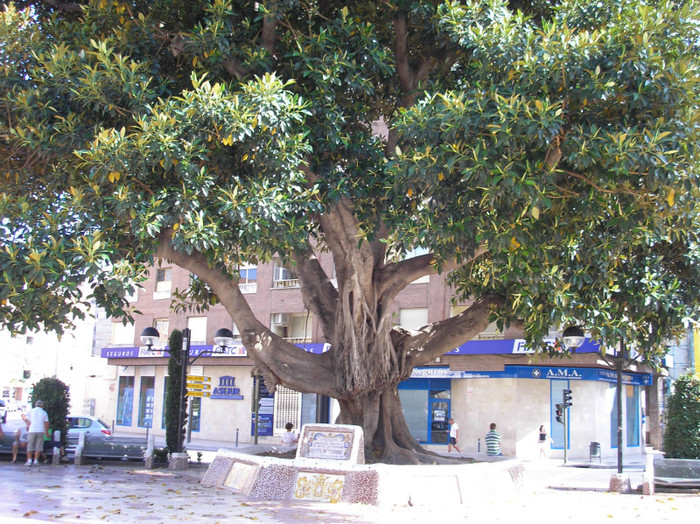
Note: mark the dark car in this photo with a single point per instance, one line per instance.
(3, 410)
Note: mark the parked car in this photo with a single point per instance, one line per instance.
(3, 410)
(91, 426)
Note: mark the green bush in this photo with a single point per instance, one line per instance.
(682, 436)
(56, 397)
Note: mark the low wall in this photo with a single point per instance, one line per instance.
(271, 478)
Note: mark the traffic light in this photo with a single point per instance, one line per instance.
(567, 398)
(559, 413)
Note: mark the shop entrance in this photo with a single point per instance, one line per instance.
(426, 406)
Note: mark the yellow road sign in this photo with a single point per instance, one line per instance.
(191, 385)
(197, 378)
(199, 393)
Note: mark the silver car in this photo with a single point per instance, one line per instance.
(91, 426)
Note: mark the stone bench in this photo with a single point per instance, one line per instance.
(329, 466)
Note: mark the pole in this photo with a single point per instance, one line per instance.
(618, 366)
(565, 414)
(256, 408)
(184, 360)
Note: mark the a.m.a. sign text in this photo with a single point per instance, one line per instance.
(227, 389)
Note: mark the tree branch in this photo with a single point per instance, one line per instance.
(320, 296)
(438, 338)
(396, 276)
(275, 354)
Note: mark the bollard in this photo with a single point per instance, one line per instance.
(478, 445)
(78, 461)
(56, 458)
(149, 455)
(236, 437)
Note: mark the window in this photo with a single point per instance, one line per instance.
(413, 318)
(146, 402)
(122, 335)
(490, 333)
(125, 401)
(284, 275)
(198, 327)
(293, 327)
(163, 283)
(417, 252)
(162, 325)
(247, 278)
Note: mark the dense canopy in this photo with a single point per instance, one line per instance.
(543, 153)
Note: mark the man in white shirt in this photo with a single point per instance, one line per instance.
(38, 429)
(454, 435)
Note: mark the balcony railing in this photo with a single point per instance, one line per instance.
(278, 284)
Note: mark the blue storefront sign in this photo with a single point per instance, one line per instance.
(537, 372)
(473, 347)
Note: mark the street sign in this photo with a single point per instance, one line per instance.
(197, 378)
(191, 385)
(199, 393)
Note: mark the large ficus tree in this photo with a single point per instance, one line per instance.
(544, 153)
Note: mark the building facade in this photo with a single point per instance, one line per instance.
(491, 379)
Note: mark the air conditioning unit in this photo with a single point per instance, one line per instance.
(280, 319)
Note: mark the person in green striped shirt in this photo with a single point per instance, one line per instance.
(493, 442)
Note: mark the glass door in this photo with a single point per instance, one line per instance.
(439, 412)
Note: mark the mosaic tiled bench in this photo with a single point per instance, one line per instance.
(329, 467)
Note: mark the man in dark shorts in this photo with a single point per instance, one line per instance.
(454, 435)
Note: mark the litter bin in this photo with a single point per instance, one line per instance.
(594, 452)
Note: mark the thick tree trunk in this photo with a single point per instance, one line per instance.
(387, 437)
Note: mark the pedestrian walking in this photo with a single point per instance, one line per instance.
(38, 429)
(454, 436)
(543, 442)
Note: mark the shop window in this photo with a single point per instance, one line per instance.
(166, 384)
(125, 401)
(413, 318)
(632, 418)
(198, 329)
(122, 335)
(415, 410)
(146, 402)
(287, 409)
(195, 413)
(163, 283)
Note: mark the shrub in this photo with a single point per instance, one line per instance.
(172, 398)
(682, 435)
(56, 397)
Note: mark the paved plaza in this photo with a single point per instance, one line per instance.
(126, 492)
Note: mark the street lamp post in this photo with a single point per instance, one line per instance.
(222, 339)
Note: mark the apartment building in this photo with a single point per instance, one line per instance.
(493, 378)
